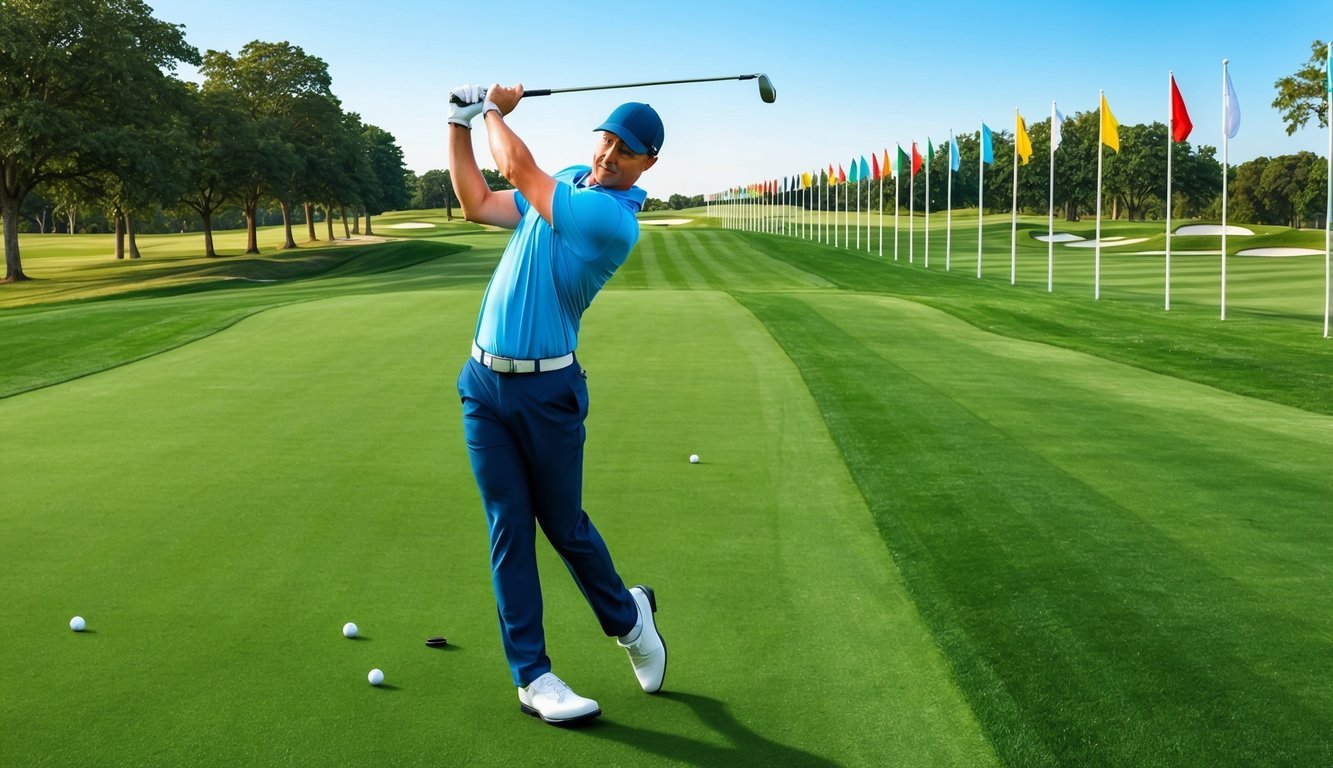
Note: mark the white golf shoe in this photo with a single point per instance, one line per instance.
(550, 699)
(647, 651)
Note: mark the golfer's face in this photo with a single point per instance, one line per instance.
(615, 165)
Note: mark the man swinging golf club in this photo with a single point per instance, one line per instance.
(524, 395)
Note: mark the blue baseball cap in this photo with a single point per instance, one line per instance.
(637, 125)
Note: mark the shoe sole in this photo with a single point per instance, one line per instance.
(551, 721)
(652, 606)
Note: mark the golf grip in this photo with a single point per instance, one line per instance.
(538, 92)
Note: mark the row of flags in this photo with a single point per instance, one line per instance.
(744, 204)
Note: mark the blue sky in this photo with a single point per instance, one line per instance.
(851, 77)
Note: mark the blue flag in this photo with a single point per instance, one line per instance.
(987, 154)
(865, 168)
(954, 159)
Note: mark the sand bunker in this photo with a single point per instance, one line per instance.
(1059, 237)
(1279, 252)
(1107, 243)
(664, 222)
(1212, 229)
(411, 225)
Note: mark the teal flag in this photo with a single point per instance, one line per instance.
(954, 158)
(987, 154)
(865, 168)
(852, 174)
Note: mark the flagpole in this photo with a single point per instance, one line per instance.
(881, 211)
(1050, 214)
(1225, 140)
(1013, 212)
(897, 200)
(1170, 140)
(1328, 213)
(1097, 242)
(911, 208)
(981, 190)
(948, 216)
(928, 158)
(858, 209)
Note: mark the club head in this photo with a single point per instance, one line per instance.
(766, 90)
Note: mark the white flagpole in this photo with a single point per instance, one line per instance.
(1328, 213)
(911, 209)
(981, 191)
(1225, 140)
(1013, 214)
(1097, 243)
(835, 211)
(858, 207)
(1050, 214)
(881, 212)
(948, 217)
(897, 199)
(1170, 140)
(928, 159)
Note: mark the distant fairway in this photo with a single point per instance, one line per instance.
(937, 521)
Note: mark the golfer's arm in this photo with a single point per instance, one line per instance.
(479, 203)
(517, 165)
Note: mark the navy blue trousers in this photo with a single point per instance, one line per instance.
(525, 438)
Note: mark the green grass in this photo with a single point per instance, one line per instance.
(938, 520)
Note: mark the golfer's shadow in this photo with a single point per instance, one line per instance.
(745, 747)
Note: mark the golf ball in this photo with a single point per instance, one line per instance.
(349, 630)
(77, 624)
(375, 677)
(694, 458)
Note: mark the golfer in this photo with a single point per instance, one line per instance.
(524, 395)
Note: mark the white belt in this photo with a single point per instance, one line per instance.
(510, 365)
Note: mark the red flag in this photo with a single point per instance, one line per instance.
(842, 177)
(874, 167)
(916, 159)
(1180, 119)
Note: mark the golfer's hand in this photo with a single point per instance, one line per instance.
(503, 98)
(465, 103)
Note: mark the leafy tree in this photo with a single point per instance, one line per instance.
(73, 74)
(388, 171)
(221, 155)
(1245, 192)
(1301, 96)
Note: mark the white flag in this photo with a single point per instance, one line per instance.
(1231, 120)
(1057, 120)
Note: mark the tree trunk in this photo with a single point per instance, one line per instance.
(120, 233)
(10, 216)
(448, 202)
(342, 209)
(328, 220)
(134, 243)
(73, 215)
(287, 225)
(369, 232)
(356, 223)
(251, 236)
(310, 222)
(207, 216)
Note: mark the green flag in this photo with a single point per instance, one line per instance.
(930, 153)
(903, 162)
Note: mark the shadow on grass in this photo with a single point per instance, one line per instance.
(744, 746)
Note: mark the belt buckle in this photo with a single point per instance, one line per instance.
(502, 364)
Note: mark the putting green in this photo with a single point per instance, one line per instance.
(217, 512)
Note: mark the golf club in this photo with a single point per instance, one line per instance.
(766, 90)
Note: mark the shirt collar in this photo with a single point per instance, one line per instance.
(633, 196)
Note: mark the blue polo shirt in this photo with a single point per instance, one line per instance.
(549, 275)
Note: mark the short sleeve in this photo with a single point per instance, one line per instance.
(521, 203)
(592, 221)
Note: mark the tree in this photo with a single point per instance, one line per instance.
(220, 157)
(1136, 175)
(388, 171)
(73, 74)
(1301, 96)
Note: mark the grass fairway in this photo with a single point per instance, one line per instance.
(937, 521)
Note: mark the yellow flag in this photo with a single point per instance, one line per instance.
(805, 181)
(1110, 128)
(1022, 142)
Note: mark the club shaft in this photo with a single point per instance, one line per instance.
(549, 91)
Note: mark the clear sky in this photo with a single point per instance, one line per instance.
(852, 77)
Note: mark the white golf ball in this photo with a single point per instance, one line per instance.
(694, 458)
(77, 624)
(349, 630)
(375, 677)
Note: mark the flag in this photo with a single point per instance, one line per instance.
(1057, 123)
(916, 159)
(805, 181)
(865, 170)
(1329, 68)
(832, 175)
(903, 162)
(1110, 128)
(930, 152)
(954, 158)
(842, 177)
(874, 165)
(854, 177)
(1021, 140)
(886, 162)
(987, 154)
(1180, 118)
(1231, 116)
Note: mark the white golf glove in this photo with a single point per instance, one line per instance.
(465, 103)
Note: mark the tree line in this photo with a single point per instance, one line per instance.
(92, 117)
